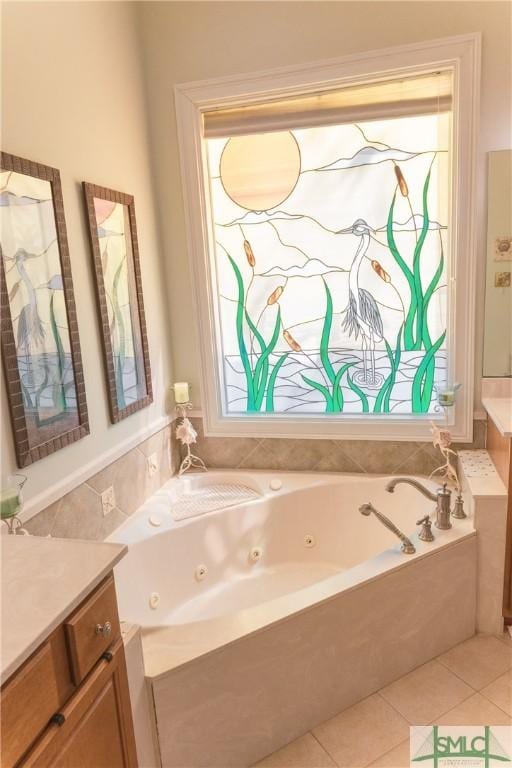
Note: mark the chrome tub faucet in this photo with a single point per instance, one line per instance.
(442, 499)
(408, 547)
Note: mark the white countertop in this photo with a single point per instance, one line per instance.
(43, 580)
(500, 411)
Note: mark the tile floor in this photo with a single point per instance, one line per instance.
(471, 684)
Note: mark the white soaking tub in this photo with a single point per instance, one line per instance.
(263, 618)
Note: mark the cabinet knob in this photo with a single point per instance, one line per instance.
(58, 718)
(104, 629)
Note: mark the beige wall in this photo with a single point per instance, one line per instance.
(73, 98)
(498, 304)
(194, 41)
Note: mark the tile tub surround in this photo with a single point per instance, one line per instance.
(379, 456)
(375, 732)
(245, 700)
(79, 514)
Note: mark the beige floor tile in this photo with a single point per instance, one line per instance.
(305, 752)
(479, 660)
(426, 692)
(500, 692)
(476, 710)
(505, 637)
(398, 757)
(361, 733)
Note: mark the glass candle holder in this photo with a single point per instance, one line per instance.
(446, 393)
(11, 497)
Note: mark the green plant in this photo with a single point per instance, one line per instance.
(359, 392)
(416, 333)
(260, 379)
(334, 400)
(382, 401)
(423, 382)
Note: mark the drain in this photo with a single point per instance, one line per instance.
(309, 540)
(255, 554)
(201, 572)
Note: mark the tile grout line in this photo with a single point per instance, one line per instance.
(466, 698)
(437, 658)
(351, 458)
(413, 454)
(244, 458)
(496, 705)
(57, 514)
(444, 712)
(478, 690)
(405, 741)
(509, 670)
(324, 748)
(379, 693)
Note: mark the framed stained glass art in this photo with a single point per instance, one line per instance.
(114, 244)
(40, 344)
(330, 266)
(330, 220)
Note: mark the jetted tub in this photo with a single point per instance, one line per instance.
(264, 618)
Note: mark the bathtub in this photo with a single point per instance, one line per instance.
(263, 618)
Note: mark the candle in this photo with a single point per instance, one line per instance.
(181, 392)
(446, 398)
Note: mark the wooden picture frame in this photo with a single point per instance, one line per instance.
(113, 238)
(39, 331)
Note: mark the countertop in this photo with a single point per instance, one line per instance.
(500, 411)
(43, 580)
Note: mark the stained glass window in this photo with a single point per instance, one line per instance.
(330, 266)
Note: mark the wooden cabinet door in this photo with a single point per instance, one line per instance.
(33, 694)
(97, 731)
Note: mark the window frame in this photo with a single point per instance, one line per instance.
(462, 55)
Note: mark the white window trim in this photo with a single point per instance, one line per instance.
(462, 54)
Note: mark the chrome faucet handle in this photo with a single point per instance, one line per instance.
(426, 529)
(458, 508)
(443, 508)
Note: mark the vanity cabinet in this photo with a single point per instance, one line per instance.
(68, 706)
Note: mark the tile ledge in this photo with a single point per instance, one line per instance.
(480, 475)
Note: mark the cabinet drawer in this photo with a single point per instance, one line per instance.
(33, 696)
(92, 629)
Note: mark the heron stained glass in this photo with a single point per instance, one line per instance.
(330, 266)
